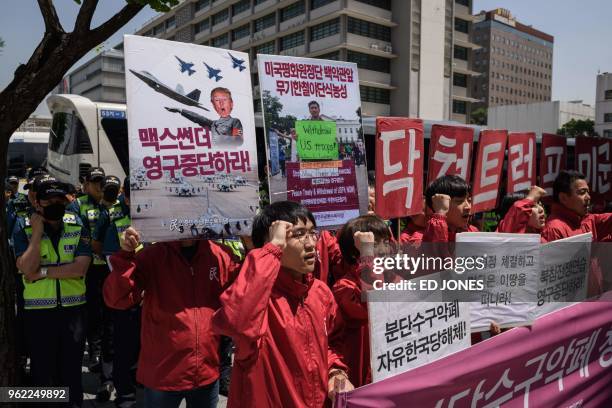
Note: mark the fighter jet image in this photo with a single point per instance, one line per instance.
(237, 63)
(191, 99)
(186, 66)
(213, 73)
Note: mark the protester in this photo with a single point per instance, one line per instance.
(357, 240)
(523, 213)
(182, 281)
(415, 227)
(53, 253)
(284, 322)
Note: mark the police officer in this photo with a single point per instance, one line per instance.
(113, 221)
(99, 321)
(53, 254)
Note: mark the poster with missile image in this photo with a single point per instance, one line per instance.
(191, 128)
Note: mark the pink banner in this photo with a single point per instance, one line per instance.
(563, 360)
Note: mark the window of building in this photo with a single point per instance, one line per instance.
(608, 94)
(607, 133)
(241, 6)
(241, 32)
(159, 29)
(265, 22)
(330, 56)
(465, 3)
(366, 61)
(220, 17)
(459, 107)
(325, 29)
(314, 4)
(200, 4)
(367, 29)
(461, 53)
(460, 80)
(374, 95)
(462, 26)
(292, 40)
(292, 10)
(384, 4)
(202, 26)
(219, 41)
(258, 2)
(607, 117)
(267, 48)
(170, 23)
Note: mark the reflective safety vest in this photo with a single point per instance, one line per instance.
(90, 211)
(48, 293)
(121, 224)
(234, 245)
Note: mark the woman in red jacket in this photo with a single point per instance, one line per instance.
(284, 322)
(357, 239)
(179, 355)
(523, 213)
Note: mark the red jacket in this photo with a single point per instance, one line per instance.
(516, 219)
(329, 258)
(178, 348)
(286, 333)
(356, 345)
(563, 223)
(437, 230)
(412, 234)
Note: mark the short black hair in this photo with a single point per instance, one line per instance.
(314, 103)
(282, 210)
(563, 182)
(451, 185)
(364, 223)
(508, 201)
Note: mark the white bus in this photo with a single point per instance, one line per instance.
(86, 134)
(26, 149)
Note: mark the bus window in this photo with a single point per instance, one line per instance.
(117, 132)
(22, 156)
(68, 135)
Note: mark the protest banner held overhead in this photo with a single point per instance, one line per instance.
(191, 138)
(488, 169)
(553, 159)
(313, 108)
(400, 155)
(592, 158)
(521, 162)
(450, 152)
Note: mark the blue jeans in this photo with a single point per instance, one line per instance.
(204, 397)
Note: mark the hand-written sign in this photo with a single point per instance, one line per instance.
(316, 140)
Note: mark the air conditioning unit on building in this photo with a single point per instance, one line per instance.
(374, 46)
(388, 48)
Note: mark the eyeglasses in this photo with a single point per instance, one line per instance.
(302, 234)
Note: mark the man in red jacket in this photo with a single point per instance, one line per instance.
(284, 322)
(182, 281)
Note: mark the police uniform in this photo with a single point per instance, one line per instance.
(55, 308)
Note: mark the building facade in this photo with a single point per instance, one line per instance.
(603, 105)
(540, 117)
(515, 61)
(101, 79)
(414, 56)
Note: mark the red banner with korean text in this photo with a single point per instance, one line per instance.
(488, 171)
(521, 161)
(592, 158)
(450, 152)
(400, 153)
(553, 159)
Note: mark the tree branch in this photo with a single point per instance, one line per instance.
(83, 21)
(102, 32)
(52, 23)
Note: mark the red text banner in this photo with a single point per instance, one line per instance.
(399, 167)
(592, 156)
(521, 161)
(488, 171)
(553, 159)
(450, 152)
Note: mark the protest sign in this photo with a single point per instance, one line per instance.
(314, 107)
(510, 277)
(405, 335)
(488, 172)
(274, 153)
(521, 162)
(564, 270)
(193, 156)
(592, 158)
(553, 159)
(400, 156)
(563, 360)
(450, 152)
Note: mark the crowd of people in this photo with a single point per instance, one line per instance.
(285, 313)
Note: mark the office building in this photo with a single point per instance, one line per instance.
(603, 105)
